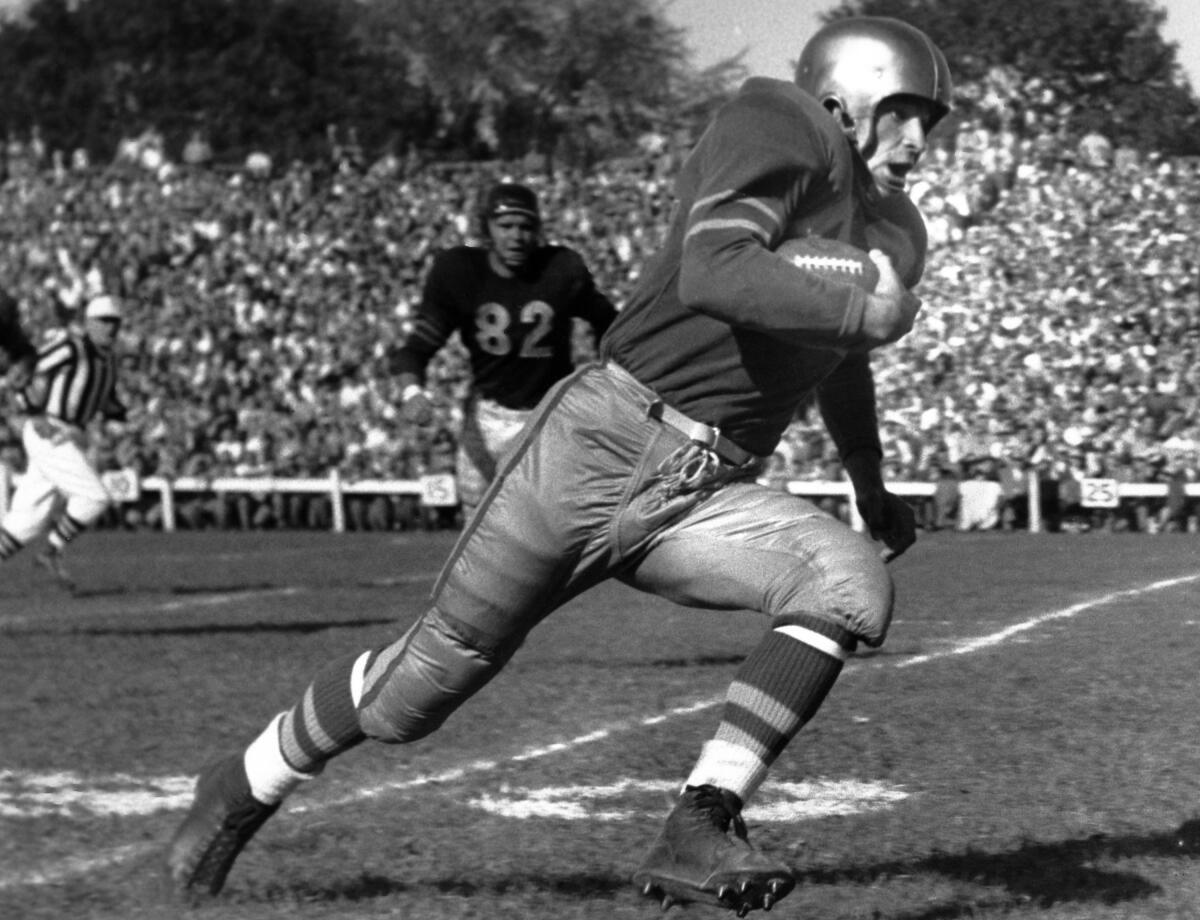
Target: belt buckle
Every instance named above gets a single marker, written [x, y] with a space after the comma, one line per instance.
[705, 435]
[708, 435]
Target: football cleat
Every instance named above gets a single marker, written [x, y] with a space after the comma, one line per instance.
[223, 818]
[51, 560]
[1187, 837]
[697, 859]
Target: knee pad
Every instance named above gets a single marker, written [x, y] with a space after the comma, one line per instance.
[862, 593]
[414, 686]
[845, 583]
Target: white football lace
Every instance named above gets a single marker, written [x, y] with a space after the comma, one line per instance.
[828, 263]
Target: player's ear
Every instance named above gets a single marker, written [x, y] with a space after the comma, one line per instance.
[835, 108]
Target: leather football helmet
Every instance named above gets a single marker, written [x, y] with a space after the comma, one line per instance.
[858, 62]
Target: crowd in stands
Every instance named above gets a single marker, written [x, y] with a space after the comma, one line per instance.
[1060, 332]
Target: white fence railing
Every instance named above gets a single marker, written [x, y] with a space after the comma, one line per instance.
[438, 490]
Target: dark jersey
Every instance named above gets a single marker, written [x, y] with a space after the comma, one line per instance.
[734, 335]
[13, 342]
[518, 331]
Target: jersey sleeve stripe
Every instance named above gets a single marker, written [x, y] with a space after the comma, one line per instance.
[758, 231]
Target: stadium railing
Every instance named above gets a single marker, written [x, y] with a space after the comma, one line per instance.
[438, 490]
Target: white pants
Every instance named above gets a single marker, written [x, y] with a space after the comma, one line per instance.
[489, 430]
[57, 470]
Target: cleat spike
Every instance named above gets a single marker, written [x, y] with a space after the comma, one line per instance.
[767, 902]
[667, 903]
[702, 855]
[648, 889]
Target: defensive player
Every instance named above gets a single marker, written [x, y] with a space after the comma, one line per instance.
[18, 350]
[74, 380]
[642, 468]
[512, 304]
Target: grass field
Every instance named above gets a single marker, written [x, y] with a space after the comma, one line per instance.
[1026, 745]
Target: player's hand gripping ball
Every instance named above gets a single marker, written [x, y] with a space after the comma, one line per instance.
[833, 260]
[891, 308]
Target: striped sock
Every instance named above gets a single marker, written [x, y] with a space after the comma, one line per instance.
[777, 689]
[325, 721]
[65, 530]
[8, 545]
[271, 778]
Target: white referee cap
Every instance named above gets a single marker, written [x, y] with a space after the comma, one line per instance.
[102, 307]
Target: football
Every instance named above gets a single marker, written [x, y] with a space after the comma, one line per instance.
[832, 259]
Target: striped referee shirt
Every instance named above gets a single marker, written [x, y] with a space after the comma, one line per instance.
[73, 381]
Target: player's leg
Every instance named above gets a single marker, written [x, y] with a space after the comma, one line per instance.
[67, 467]
[488, 431]
[87, 498]
[394, 694]
[33, 501]
[28, 514]
[824, 588]
[525, 552]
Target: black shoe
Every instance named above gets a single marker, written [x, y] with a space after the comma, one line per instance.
[1187, 837]
[51, 560]
[223, 818]
[695, 858]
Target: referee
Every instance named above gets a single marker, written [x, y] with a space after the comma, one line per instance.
[74, 380]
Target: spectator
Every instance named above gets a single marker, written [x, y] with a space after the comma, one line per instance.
[1036, 320]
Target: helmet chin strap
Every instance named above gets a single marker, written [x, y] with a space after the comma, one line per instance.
[851, 125]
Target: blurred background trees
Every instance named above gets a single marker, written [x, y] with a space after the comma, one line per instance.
[579, 78]
[1068, 66]
[573, 80]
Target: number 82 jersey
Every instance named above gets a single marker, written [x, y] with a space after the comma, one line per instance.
[517, 330]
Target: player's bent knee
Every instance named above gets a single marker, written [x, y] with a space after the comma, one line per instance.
[866, 598]
[439, 669]
[855, 589]
[871, 622]
[87, 509]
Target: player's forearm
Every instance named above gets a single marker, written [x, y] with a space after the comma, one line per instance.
[750, 287]
[847, 402]
[408, 362]
[865, 469]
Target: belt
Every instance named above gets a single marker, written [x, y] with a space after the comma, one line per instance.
[708, 435]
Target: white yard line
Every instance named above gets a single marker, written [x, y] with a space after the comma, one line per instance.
[64, 869]
[982, 642]
[182, 605]
[71, 867]
[196, 601]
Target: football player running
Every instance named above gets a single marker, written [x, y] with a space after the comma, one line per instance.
[642, 467]
[512, 303]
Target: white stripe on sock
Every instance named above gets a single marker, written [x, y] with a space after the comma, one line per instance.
[814, 639]
[358, 677]
[729, 766]
[271, 777]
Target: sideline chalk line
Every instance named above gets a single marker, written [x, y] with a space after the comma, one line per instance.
[74, 867]
[194, 601]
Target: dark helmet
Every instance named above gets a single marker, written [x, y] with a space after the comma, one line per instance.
[859, 62]
[509, 198]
